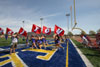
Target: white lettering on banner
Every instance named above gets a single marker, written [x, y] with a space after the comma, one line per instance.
[36, 29]
[59, 31]
[47, 30]
[22, 32]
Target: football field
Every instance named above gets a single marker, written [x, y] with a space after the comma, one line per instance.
[49, 57]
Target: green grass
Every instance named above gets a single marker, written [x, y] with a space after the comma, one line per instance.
[4, 42]
[92, 54]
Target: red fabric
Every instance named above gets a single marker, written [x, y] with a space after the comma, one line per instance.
[98, 37]
[1, 31]
[58, 30]
[22, 32]
[9, 31]
[46, 30]
[36, 29]
[81, 36]
[88, 38]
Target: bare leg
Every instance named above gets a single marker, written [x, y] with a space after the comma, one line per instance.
[27, 44]
[44, 45]
[10, 51]
[47, 44]
[58, 45]
[13, 50]
[34, 45]
[40, 46]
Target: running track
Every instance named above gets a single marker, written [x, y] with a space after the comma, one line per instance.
[27, 57]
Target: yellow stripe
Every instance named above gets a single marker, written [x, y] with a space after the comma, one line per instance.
[50, 45]
[47, 57]
[5, 62]
[67, 55]
[16, 60]
[4, 56]
[51, 41]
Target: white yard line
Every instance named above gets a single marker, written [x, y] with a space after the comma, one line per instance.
[84, 58]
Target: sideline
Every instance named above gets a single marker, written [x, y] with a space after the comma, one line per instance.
[84, 58]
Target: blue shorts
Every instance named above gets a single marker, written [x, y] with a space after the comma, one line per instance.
[33, 40]
[27, 40]
[44, 40]
[39, 41]
[57, 41]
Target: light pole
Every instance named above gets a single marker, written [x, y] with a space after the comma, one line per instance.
[68, 21]
[41, 22]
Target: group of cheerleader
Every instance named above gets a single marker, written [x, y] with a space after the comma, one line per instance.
[37, 41]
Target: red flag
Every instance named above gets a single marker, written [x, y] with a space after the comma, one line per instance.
[46, 30]
[9, 31]
[59, 31]
[87, 37]
[1, 31]
[36, 29]
[22, 32]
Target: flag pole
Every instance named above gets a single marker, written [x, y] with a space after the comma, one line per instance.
[23, 28]
[41, 19]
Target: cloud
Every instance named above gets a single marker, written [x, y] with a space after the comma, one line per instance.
[88, 3]
[52, 15]
[12, 13]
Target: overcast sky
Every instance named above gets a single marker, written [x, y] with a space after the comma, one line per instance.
[13, 12]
